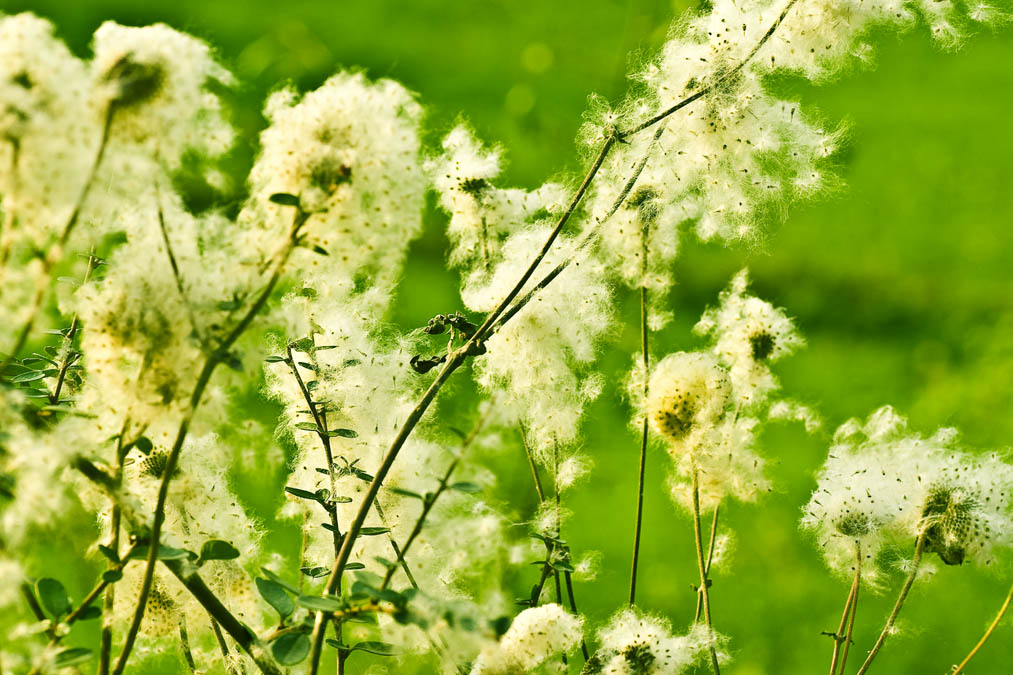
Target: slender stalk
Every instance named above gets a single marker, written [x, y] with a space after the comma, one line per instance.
[320, 419]
[888, 628]
[710, 558]
[453, 362]
[430, 500]
[573, 608]
[532, 465]
[838, 635]
[638, 522]
[325, 440]
[203, 379]
[988, 633]
[589, 237]
[70, 357]
[848, 641]
[184, 641]
[701, 564]
[106, 638]
[222, 646]
[243, 636]
[176, 275]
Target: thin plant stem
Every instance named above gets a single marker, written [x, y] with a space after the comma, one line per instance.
[639, 520]
[531, 464]
[184, 641]
[70, 357]
[892, 619]
[222, 645]
[430, 500]
[988, 633]
[573, 608]
[453, 362]
[710, 558]
[701, 564]
[848, 639]
[203, 379]
[325, 440]
[839, 636]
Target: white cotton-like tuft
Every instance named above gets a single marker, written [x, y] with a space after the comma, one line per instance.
[634, 643]
[536, 635]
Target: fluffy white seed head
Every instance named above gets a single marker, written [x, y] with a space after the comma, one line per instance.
[749, 333]
[687, 393]
[883, 486]
[634, 643]
[350, 152]
[536, 635]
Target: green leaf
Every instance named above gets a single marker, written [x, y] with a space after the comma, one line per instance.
[406, 493]
[217, 549]
[373, 531]
[109, 553]
[164, 553]
[303, 345]
[337, 645]
[275, 359]
[53, 596]
[343, 433]
[308, 426]
[321, 604]
[92, 612]
[315, 572]
[278, 580]
[304, 494]
[71, 657]
[284, 198]
[276, 596]
[291, 648]
[379, 648]
[320, 250]
[112, 576]
[561, 565]
[465, 486]
[30, 376]
[354, 566]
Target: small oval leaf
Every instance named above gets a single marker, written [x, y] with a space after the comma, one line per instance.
[291, 648]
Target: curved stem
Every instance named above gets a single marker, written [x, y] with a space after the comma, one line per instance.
[701, 565]
[988, 633]
[905, 589]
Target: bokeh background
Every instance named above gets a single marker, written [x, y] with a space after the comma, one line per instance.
[902, 282]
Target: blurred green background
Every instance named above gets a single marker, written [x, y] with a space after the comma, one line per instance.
[901, 283]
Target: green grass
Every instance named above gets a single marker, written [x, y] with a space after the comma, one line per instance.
[901, 283]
